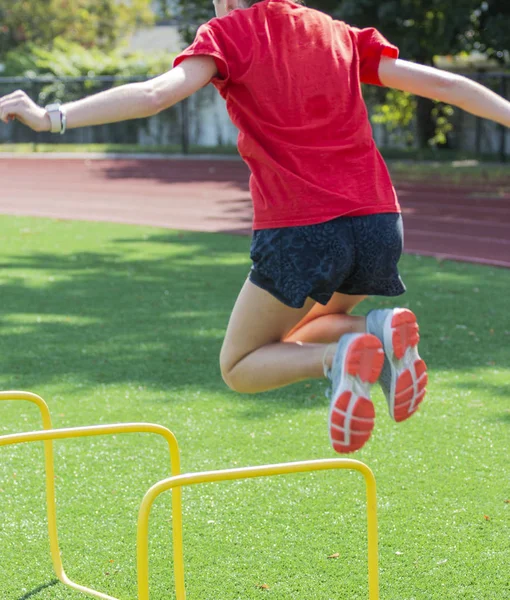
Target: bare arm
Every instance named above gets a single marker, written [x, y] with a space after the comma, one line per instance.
[446, 87]
[131, 101]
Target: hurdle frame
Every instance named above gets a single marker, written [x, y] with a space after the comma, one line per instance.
[174, 483]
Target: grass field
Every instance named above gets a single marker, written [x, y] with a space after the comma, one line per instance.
[117, 323]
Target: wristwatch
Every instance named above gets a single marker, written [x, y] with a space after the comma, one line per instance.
[58, 118]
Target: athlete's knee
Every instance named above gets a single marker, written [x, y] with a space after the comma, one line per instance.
[226, 371]
[227, 364]
[234, 377]
[235, 382]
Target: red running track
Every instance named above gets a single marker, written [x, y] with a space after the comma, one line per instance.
[457, 222]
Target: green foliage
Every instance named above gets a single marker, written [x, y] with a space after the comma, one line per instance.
[492, 29]
[99, 23]
[396, 113]
[442, 115]
[165, 9]
[426, 29]
[423, 30]
[194, 13]
[69, 59]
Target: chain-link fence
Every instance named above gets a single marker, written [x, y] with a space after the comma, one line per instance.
[487, 137]
[201, 121]
[198, 121]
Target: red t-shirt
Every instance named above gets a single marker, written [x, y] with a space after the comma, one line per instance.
[291, 77]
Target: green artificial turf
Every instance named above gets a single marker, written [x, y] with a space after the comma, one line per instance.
[114, 323]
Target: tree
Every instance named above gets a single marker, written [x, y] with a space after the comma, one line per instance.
[99, 23]
[423, 30]
[493, 29]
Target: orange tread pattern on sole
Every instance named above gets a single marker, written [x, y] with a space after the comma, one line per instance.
[363, 415]
[406, 393]
[409, 390]
[405, 332]
[365, 359]
[361, 425]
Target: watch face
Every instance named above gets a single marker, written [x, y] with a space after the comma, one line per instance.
[52, 107]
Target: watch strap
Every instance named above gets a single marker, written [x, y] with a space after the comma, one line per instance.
[55, 115]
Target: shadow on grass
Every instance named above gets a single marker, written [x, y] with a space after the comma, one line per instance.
[501, 391]
[150, 316]
[39, 589]
[504, 418]
[110, 317]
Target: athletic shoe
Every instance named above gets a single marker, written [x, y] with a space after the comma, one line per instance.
[356, 367]
[404, 375]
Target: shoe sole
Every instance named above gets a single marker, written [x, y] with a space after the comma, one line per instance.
[408, 371]
[352, 414]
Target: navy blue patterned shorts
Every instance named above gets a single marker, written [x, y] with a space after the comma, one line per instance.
[350, 255]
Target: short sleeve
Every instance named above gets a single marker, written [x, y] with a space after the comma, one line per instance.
[372, 45]
[207, 43]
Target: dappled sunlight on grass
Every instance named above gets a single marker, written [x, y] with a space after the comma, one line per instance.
[113, 323]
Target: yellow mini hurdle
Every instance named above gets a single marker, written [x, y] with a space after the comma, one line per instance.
[175, 484]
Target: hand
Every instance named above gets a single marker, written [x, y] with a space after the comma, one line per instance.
[19, 106]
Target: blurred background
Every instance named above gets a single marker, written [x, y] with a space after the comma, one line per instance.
[65, 49]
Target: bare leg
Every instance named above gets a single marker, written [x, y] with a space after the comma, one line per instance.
[254, 358]
[327, 324]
